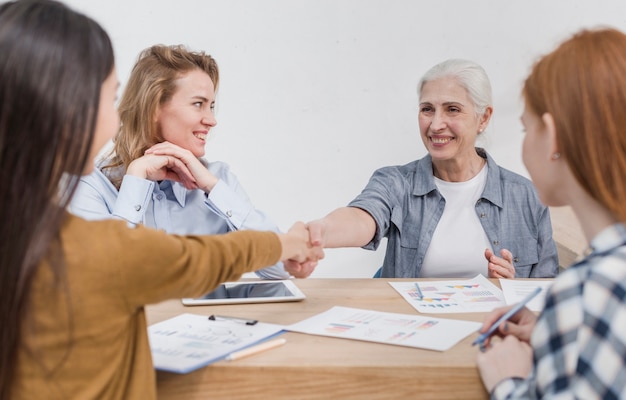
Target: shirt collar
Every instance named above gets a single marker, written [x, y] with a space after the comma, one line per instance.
[609, 238]
[179, 191]
[425, 180]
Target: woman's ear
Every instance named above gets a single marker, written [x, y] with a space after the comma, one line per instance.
[484, 119]
[550, 130]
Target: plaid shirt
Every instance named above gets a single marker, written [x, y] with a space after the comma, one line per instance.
[579, 342]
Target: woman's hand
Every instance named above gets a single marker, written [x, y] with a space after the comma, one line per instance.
[202, 177]
[520, 325]
[297, 247]
[508, 358]
[162, 167]
[500, 267]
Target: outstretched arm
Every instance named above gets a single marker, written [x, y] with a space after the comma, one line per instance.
[344, 227]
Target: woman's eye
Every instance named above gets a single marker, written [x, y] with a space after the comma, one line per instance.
[425, 109]
[197, 104]
[212, 106]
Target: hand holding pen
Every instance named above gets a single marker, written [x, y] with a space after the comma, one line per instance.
[516, 320]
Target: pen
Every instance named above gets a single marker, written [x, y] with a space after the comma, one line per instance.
[419, 291]
[256, 349]
[481, 339]
[240, 320]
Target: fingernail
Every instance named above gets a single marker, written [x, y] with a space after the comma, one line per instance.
[505, 327]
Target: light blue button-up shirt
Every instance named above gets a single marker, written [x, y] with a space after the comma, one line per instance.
[406, 205]
[169, 206]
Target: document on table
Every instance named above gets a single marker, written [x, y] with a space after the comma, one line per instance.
[515, 290]
[390, 328]
[188, 341]
[451, 296]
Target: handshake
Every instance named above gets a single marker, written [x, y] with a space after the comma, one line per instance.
[302, 249]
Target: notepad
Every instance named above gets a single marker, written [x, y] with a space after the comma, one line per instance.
[188, 341]
[515, 290]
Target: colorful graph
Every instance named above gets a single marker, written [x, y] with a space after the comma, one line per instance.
[338, 329]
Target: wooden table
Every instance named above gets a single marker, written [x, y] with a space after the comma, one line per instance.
[568, 235]
[317, 367]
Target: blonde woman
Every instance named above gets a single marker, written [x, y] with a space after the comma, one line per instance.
[167, 113]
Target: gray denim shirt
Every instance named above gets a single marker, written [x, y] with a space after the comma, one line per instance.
[406, 205]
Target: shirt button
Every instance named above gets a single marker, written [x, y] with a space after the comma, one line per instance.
[137, 207]
[159, 197]
[229, 213]
[496, 242]
[483, 215]
[516, 259]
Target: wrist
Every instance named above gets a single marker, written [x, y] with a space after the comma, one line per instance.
[134, 170]
[209, 186]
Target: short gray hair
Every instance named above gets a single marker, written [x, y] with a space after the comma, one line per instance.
[469, 75]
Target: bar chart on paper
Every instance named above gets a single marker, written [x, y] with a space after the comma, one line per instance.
[390, 328]
[453, 296]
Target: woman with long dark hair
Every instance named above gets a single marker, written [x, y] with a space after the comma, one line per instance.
[72, 292]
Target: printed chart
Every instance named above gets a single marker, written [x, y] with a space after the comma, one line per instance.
[451, 296]
[390, 328]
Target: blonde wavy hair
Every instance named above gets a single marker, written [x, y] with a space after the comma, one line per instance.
[152, 83]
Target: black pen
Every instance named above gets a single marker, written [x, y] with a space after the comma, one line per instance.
[234, 319]
[481, 339]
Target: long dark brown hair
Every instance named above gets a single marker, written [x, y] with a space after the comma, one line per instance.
[53, 63]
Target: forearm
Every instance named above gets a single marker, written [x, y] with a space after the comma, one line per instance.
[348, 227]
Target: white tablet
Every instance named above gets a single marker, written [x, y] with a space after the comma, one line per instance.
[249, 292]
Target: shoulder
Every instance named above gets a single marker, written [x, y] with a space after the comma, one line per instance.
[406, 171]
[220, 169]
[511, 182]
[216, 166]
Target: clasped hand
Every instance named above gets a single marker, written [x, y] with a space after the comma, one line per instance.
[314, 232]
[167, 161]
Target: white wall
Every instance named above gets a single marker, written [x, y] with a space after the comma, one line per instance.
[317, 94]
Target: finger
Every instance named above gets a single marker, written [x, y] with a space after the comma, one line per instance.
[488, 254]
[315, 233]
[493, 316]
[181, 169]
[507, 255]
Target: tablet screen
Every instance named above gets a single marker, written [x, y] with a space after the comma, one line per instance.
[249, 292]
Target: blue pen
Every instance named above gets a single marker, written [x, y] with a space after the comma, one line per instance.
[419, 291]
[481, 339]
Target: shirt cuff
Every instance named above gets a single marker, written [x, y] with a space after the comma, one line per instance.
[133, 198]
[228, 204]
[505, 388]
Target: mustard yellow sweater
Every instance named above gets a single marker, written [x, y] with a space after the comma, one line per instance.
[88, 339]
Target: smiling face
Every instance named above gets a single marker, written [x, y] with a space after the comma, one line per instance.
[448, 121]
[185, 120]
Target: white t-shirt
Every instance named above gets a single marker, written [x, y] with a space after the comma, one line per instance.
[459, 241]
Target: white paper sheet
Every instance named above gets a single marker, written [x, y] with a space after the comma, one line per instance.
[188, 341]
[452, 296]
[515, 290]
[390, 328]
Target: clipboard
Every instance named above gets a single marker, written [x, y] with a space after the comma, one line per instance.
[188, 341]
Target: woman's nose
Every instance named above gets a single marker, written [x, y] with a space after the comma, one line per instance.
[437, 123]
[209, 119]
